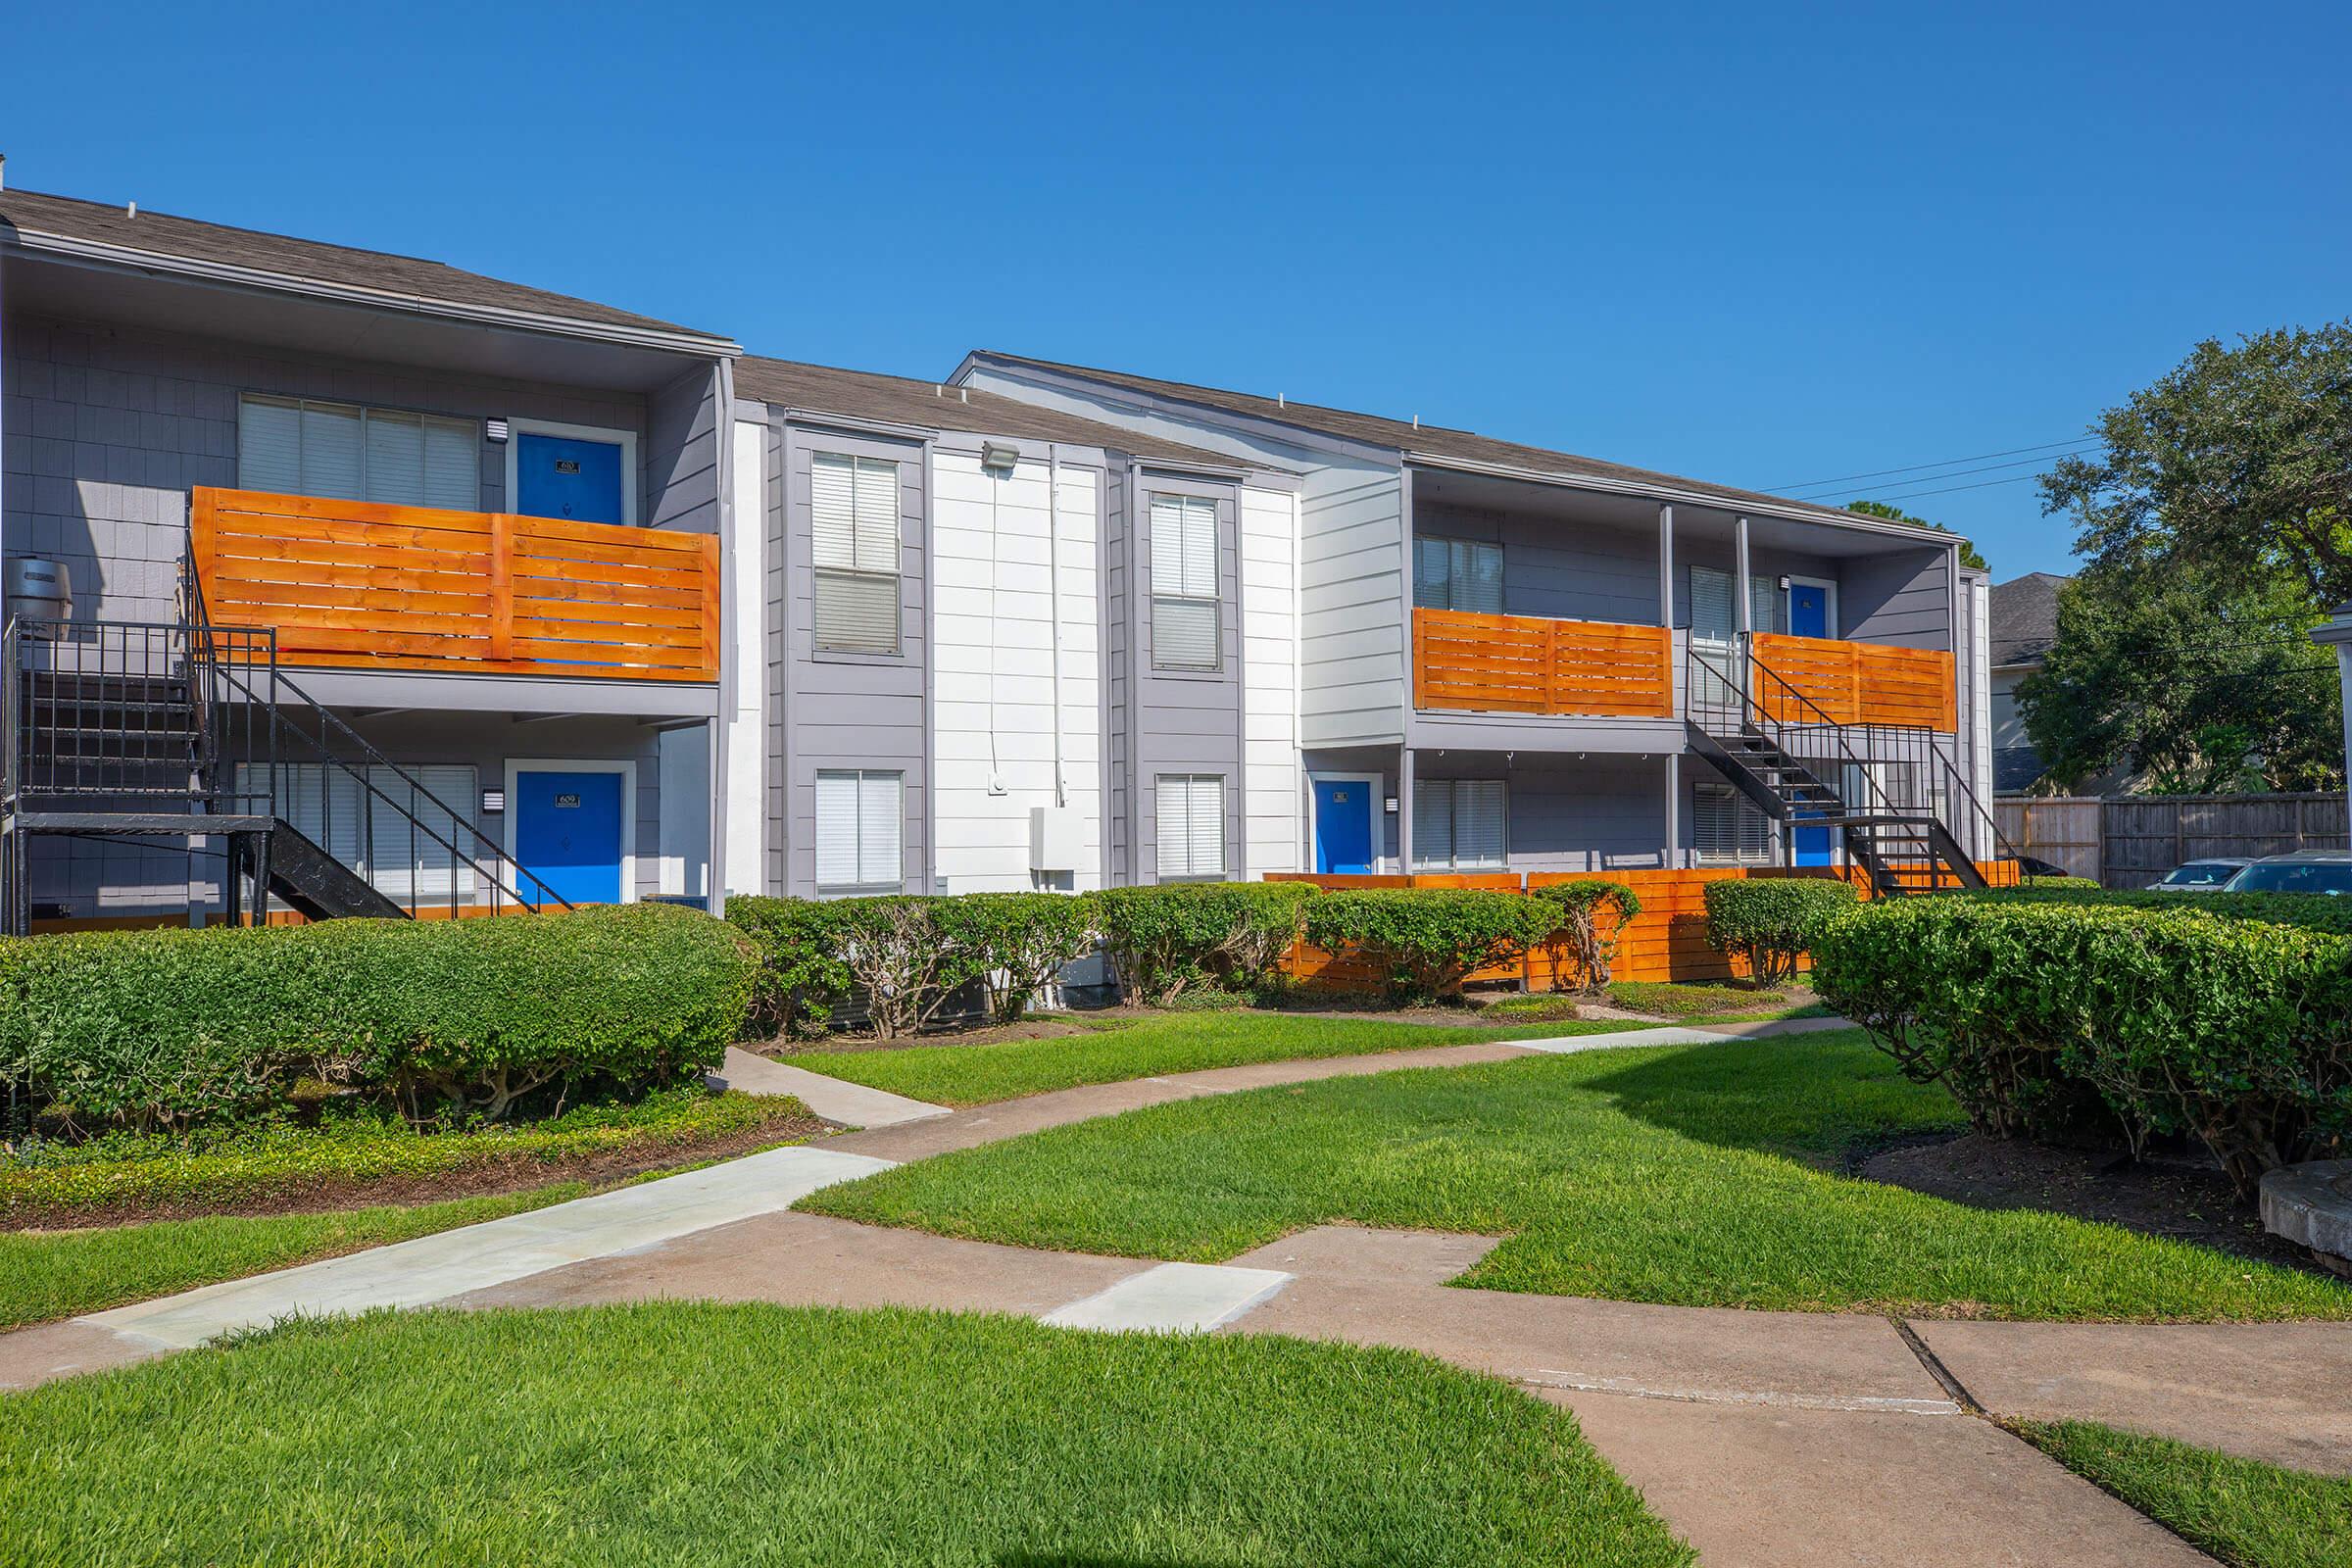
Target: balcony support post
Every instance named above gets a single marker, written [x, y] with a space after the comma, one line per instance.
[1666, 599]
[1673, 857]
[1404, 810]
[1744, 602]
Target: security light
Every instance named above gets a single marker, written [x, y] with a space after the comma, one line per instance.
[998, 457]
[1783, 582]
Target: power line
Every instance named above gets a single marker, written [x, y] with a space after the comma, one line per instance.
[1914, 495]
[1914, 467]
[1992, 467]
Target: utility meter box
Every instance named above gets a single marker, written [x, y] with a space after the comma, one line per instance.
[1056, 838]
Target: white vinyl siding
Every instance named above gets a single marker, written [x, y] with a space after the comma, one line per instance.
[345, 453]
[1728, 828]
[853, 530]
[1184, 614]
[410, 862]
[860, 830]
[1458, 824]
[1457, 575]
[1191, 827]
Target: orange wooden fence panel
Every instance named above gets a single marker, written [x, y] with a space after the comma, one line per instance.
[1857, 683]
[357, 584]
[1529, 664]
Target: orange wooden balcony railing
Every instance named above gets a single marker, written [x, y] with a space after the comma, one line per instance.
[355, 585]
[1856, 683]
[1528, 664]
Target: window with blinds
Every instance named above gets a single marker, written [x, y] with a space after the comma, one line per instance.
[289, 447]
[860, 830]
[410, 863]
[853, 532]
[1185, 618]
[1714, 594]
[1192, 827]
[1726, 826]
[1457, 575]
[1459, 825]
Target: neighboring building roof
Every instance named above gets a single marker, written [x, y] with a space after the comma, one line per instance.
[933, 406]
[1436, 441]
[409, 278]
[2025, 617]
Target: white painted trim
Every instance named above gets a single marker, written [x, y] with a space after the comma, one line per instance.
[745, 718]
[1380, 817]
[1828, 586]
[519, 765]
[631, 479]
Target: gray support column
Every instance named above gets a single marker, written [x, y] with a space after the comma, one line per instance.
[1404, 810]
[2337, 633]
[1741, 610]
[1674, 810]
[1665, 566]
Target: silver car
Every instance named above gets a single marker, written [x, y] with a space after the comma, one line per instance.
[2326, 871]
[2206, 875]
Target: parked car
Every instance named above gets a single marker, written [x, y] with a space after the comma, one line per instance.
[2328, 871]
[2200, 876]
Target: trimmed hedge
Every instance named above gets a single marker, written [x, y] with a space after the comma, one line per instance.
[1231, 934]
[802, 976]
[2228, 1029]
[1427, 941]
[161, 1030]
[1592, 915]
[1022, 941]
[2313, 911]
[1772, 921]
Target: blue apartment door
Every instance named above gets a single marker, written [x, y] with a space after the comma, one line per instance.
[1343, 825]
[568, 834]
[1808, 610]
[567, 477]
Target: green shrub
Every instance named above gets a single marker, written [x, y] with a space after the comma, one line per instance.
[1427, 941]
[1771, 921]
[165, 1029]
[2228, 1029]
[909, 957]
[1023, 940]
[1165, 938]
[2067, 884]
[1593, 915]
[802, 976]
[2313, 911]
[1209, 997]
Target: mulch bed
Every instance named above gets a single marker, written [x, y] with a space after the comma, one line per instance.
[501, 1173]
[994, 1034]
[2179, 1199]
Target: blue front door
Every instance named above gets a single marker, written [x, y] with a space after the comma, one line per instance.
[564, 477]
[1808, 610]
[568, 834]
[1343, 826]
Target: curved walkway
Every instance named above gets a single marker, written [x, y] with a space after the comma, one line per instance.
[1763, 1437]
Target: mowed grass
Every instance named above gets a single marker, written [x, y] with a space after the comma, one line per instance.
[694, 1433]
[1692, 1175]
[1114, 1050]
[2247, 1513]
[46, 1275]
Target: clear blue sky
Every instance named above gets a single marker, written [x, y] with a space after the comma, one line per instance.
[1727, 240]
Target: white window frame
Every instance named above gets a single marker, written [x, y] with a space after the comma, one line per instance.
[1453, 863]
[517, 767]
[1376, 785]
[1829, 591]
[1449, 541]
[1216, 599]
[365, 412]
[1224, 870]
[1740, 803]
[631, 477]
[898, 574]
[858, 890]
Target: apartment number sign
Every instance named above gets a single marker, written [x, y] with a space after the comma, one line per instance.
[568, 801]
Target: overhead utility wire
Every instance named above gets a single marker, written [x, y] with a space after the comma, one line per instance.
[2036, 464]
[1914, 467]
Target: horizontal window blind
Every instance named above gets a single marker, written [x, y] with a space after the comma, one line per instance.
[854, 538]
[1457, 575]
[860, 829]
[1190, 810]
[1460, 824]
[289, 447]
[367, 831]
[1186, 620]
[1727, 826]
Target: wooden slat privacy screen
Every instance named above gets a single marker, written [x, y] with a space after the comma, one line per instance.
[1857, 683]
[1530, 665]
[357, 584]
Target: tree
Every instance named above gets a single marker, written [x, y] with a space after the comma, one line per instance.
[2201, 681]
[2237, 462]
[1894, 514]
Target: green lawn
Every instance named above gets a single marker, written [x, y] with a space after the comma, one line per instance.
[692, 1433]
[1114, 1050]
[2247, 1513]
[66, 1273]
[1687, 1175]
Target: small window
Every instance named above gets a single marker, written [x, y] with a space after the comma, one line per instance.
[1728, 827]
[1185, 618]
[379, 823]
[345, 453]
[861, 831]
[853, 530]
[1457, 575]
[1458, 824]
[1192, 827]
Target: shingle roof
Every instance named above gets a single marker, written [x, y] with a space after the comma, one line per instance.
[2025, 617]
[900, 400]
[189, 238]
[1401, 435]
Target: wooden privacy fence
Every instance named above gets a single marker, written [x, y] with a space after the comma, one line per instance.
[1529, 664]
[1857, 683]
[2130, 841]
[357, 584]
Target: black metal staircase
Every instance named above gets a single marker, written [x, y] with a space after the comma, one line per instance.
[182, 732]
[1891, 795]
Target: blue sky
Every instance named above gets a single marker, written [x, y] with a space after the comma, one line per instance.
[1758, 244]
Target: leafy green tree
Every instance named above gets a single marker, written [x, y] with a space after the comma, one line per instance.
[1894, 514]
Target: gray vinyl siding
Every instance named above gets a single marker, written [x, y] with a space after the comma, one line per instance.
[853, 711]
[1571, 815]
[1558, 569]
[681, 454]
[1182, 721]
[1903, 597]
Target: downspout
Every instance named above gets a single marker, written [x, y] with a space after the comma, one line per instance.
[1053, 599]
